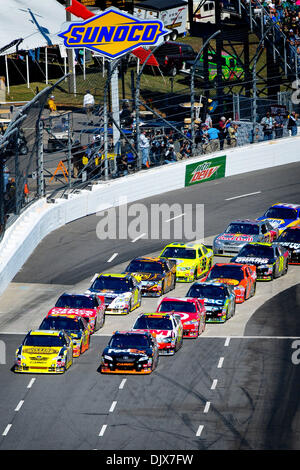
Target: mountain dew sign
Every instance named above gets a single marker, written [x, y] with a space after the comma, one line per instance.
[205, 171]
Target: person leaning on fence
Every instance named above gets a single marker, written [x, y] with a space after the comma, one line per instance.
[232, 131]
[292, 123]
[267, 123]
[213, 135]
[88, 105]
[205, 139]
[222, 131]
[278, 125]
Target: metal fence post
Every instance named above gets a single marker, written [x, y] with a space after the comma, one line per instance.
[40, 160]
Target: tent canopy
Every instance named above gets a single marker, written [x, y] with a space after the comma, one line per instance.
[37, 22]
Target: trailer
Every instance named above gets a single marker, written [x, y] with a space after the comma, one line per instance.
[173, 14]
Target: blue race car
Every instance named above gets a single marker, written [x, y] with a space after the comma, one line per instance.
[282, 215]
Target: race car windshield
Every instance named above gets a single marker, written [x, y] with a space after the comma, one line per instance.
[152, 323]
[112, 283]
[289, 236]
[177, 306]
[137, 266]
[44, 340]
[258, 251]
[247, 229]
[75, 301]
[129, 341]
[281, 213]
[202, 291]
[60, 323]
[179, 252]
[226, 272]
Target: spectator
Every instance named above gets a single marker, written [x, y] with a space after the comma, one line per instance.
[267, 124]
[222, 131]
[278, 125]
[213, 135]
[185, 149]
[170, 155]
[145, 148]
[232, 131]
[205, 139]
[52, 105]
[292, 123]
[122, 165]
[88, 105]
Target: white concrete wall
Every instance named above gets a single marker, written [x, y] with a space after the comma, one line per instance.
[41, 218]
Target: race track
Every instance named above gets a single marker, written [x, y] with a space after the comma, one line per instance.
[235, 387]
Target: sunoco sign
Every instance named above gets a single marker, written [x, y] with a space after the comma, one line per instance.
[113, 33]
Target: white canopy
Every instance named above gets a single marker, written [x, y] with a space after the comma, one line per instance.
[37, 22]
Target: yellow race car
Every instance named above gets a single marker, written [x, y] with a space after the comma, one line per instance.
[44, 351]
[193, 259]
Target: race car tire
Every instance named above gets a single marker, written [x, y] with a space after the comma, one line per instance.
[162, 288]
[195, 275]
[286, 268]
[254, 288]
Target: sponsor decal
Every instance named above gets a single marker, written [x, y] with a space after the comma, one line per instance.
[205, 171]
[276, 222]
[290, 245]
[113, 33]
[37, 350]
[236, 238]
[214, 301]
[244, 259]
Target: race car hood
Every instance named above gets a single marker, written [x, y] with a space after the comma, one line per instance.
[187, 316]
[161, 334]
[110, 295]
[131, 353]
[40, 355]
[184, 263]
[81, 312]
[148, 276]
[256, 261]
[119, 299]
[230, 282]
[213, 304]
[236, 238]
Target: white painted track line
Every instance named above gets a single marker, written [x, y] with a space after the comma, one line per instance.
[242, 195]
[6, 430]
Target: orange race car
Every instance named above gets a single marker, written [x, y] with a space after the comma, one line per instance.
[241, 276]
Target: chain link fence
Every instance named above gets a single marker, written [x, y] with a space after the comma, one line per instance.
[51, 153]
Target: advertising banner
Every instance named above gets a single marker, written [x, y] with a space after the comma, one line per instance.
[207, 170]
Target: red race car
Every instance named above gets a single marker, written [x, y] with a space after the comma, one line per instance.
[241, 276]
[89, 306]
[191, 311]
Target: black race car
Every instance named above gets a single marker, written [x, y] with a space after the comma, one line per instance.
[290, 239]
[130, 352]
[270, 259]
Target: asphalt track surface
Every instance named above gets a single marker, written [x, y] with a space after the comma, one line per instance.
[217, 393]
